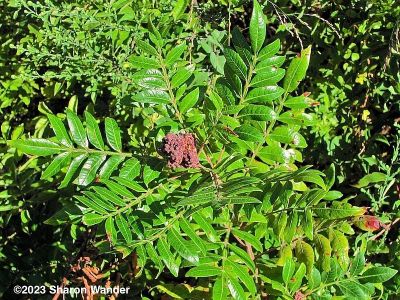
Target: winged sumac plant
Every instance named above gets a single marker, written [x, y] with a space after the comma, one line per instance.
[245, 220]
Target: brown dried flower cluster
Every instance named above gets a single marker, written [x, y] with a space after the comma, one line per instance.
[180, 150]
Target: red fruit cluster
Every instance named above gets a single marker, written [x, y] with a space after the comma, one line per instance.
[180, 150]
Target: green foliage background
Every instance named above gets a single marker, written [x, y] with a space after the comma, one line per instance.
[82, 56]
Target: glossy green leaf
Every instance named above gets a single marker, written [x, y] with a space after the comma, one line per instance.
[175, 54]
[149, 175]
[180, 245]
[220, 289]
[113, 134]
[130, 184]
[92, 219]
[72, 169]
[93, 131]
[78, 132]
[59, 130]
[288, 270]
[146, 47]
[258, 28]
[130, 169]
[123, 227]
[288, 135]
[118, 188]
[297, 279]
[236, 63]
[41, 147]
[241, 273]
[268, 77]
[269, 50]
[357, 264]
[265, 94]
[181, 76]
[108, 195]
[204, 271]
[235, 288]
[268, 63]
[110, 166]
[151, 96]
[241, 45]
[248, 237]
[144, 62]
[56, 165]
[194, 238]
[205, 225]
[353, 290]
[167, 256]
[368, 179]
[297, 70]
[91, 204]
[377, 274]
[244, 257]
[110, 229]
[89, 170]
[249, 133]
[258, 112]
[188, 101]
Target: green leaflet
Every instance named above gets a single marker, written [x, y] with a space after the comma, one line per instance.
[110, 166]
[240, 272]
[174, 54]
[235, 288]
[305, 254]
[144, 62]
[198, 198]
[206, 226]
[167, 256]
[248, 237]
[241, 45]
[267, 77]
[181, 76]
[197, 241]
[288, 270]
[59, 130]
[258, 112]
[152, 96]
[257, 27]
[188, 101]
[118, 189]
[249, 133]
[377, 274]
[113, 134]
[204, 271]
[110, 229]
[130, 169]
[72, 169]
[55, 166]
[147, 47]
[236, 63]
[108, 195]
[41, 147]
[267, 63]
[269, 50]
[93, 131]
[78, 132]
[123, 227]
[89, 170]
[220, 290]
[297, 70]
[182, 246]
[92, 219]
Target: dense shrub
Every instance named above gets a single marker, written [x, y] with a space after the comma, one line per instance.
[147, 144]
